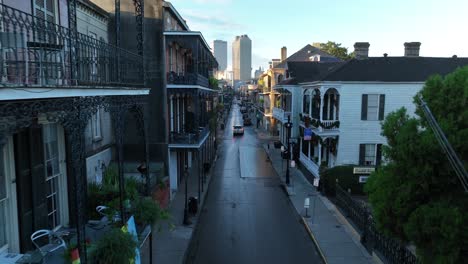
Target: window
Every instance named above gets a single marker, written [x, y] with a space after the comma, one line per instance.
[370, 154]
[96, 126]
[51, 156]
[372, 107]
[94, 55]
[306, 102]
[44, 10]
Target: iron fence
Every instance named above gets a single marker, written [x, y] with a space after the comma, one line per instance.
[187, 78]
[38, 52]
[390, 249]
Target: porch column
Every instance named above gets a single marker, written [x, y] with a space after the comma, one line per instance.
[118, 119]
[171, 113]
[178, 114]
[197, 157]
[321, 106]
[74, 128]
[319, 153]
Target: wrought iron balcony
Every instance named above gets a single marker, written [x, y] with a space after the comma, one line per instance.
[185, 138]
[187, 78]
[281, 114]
[36, 52]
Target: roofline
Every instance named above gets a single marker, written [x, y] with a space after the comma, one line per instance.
[95, 8]
[355, 82]
[188, 33]
[176, 13]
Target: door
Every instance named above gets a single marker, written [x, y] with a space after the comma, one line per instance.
[31, 188]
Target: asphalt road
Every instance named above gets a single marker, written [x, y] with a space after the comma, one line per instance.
[247, 217]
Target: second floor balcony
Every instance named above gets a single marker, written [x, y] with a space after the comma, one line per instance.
[185, 139]
[281, 114]
[187, 79]
[39, 53]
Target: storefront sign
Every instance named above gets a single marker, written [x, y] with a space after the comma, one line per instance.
[363, 170]
[307, 134]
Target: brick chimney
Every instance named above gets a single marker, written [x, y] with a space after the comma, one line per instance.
[284, 53]
[412, 49]
[361, 50]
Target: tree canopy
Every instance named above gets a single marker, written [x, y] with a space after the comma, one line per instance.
[415, 195]
[336, 50]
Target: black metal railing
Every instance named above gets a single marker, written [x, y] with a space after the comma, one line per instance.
[36, 52]
[390, 249]
[187, 78]
[187, 138]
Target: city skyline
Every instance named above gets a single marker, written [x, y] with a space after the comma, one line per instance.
[340, 21]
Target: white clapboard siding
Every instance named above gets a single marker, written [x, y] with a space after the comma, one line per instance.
[353, 130]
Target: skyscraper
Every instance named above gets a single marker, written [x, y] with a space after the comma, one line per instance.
[220, 53]
[242, 58]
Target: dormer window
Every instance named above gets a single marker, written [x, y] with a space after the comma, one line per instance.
[315, 57]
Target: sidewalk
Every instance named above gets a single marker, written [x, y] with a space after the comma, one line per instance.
[171, 239]
[336, 239]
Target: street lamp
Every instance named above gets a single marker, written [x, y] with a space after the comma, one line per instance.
[288, 126]
[186, 216]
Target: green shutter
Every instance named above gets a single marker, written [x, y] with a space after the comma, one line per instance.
[364, 107]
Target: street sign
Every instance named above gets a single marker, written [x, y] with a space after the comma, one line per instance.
[363, 179]
[363, 170]
[316, 182]
[307, 134]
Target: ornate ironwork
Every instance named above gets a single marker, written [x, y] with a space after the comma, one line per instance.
[36, 52]
[391, 249]
[139, 14]
[72, 25]
[73, 113]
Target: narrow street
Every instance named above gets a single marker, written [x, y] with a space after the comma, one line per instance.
[247, 217]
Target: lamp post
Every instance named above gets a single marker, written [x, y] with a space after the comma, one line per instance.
[288, 126]
[186, 216]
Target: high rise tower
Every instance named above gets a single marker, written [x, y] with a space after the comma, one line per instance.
[242, 58]
[220, 53]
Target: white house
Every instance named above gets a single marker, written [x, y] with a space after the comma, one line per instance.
[343, 104]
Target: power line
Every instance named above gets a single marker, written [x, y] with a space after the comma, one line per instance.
[451, 155]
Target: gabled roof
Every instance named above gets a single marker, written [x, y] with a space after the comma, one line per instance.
[395, 69]
[309, 71]
[305, 53]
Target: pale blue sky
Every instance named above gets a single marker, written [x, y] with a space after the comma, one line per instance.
[441, 26]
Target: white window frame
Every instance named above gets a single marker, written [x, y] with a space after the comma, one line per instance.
[62, 180]
[12, 232]
[94, 69]
[374, 162]
[376, 118]
[96, 129]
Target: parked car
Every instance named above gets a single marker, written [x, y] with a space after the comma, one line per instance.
[247, 122]
[243, 109]
[238, 130]
[244, 116]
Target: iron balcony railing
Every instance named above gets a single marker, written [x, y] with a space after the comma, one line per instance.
[36, 52]
[187, 78]
[186, 138]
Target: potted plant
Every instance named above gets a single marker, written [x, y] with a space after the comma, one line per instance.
[114, 247]
[146, 211]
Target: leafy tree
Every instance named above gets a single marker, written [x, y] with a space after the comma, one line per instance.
[336, 50]
[416, 195]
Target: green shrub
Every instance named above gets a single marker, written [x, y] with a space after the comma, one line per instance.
[147, 211]
[346, 179]
[114, 247]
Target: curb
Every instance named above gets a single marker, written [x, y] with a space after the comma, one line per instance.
[315, 240]
[195, 231]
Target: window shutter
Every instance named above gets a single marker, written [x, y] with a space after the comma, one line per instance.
[364, 107]
[378, 156]
[381, 107]
[362, 152]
